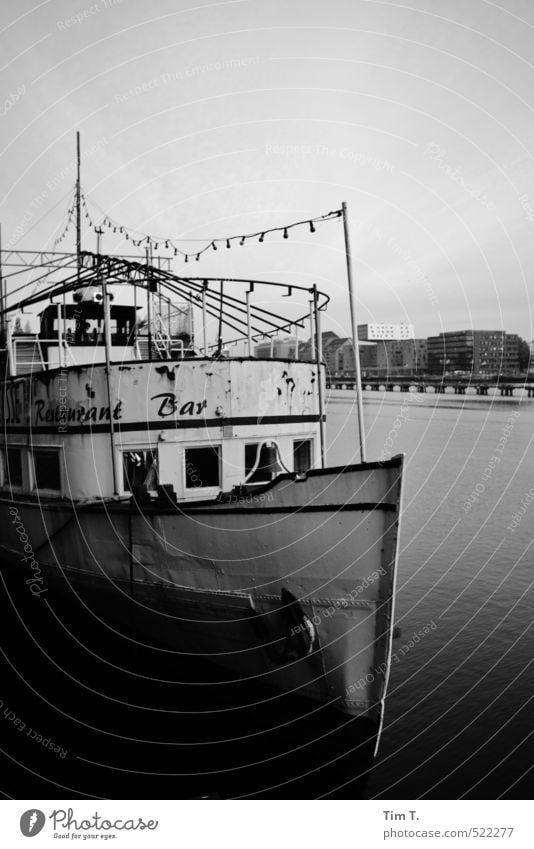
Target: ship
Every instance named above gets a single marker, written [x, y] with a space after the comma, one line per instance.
[159, 476]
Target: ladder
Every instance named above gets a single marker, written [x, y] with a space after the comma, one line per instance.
[160, 337]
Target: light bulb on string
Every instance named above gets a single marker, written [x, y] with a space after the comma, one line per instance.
[214, 246]
[197, 257]
[187, 257]
[312, 228]
[242, 242]
[228, 243]
[286, 235]
[262, 237]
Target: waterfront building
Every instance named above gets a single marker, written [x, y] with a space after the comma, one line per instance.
[379, 330]
[474, 351]
[395, 356]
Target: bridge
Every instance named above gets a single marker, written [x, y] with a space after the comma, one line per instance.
[505, 384]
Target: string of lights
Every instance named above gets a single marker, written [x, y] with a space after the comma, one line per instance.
[154, 243]
[71, 213]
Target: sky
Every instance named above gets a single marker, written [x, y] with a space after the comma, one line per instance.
[203, 120]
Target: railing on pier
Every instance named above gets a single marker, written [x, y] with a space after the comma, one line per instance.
[504, 384]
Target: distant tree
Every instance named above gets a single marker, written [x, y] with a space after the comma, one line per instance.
[523, 355]
[18, 325]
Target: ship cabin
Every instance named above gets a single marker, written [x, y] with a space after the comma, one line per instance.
[113, 397]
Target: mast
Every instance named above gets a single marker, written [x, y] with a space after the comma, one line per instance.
[78, 204]
[354, 326]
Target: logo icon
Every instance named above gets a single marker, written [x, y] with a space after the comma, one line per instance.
[31, 822]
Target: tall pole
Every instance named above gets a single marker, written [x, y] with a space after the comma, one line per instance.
[3, 299]
[6, 340]
[354, 326]
[312, 335]
[149, 301]
[60, 335]
[107, 348]
[204, 331]
[78, 205]
[319, 360]
[249, 331]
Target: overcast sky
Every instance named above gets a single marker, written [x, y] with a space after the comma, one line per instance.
[211, 119]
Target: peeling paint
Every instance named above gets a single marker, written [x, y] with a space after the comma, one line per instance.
[165, 370]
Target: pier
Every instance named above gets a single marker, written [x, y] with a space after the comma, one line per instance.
[439, 385]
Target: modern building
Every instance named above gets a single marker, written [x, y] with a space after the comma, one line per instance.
[375, 332]
[334, 349]
[474, 351]
[394, 356]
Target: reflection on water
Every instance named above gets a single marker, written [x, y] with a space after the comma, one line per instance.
[458, 713]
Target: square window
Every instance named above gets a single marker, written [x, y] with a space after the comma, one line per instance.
[12, 466]
[302, 455]
[268, 465]
[140, 468]
[203, 466]
[46, 468]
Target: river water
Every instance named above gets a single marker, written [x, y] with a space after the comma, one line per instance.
[130, 720]
[459, 717]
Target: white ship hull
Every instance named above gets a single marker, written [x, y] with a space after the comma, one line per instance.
[291, 587]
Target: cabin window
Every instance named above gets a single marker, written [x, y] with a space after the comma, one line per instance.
[268, 465]
[302, 455]
[46, 469]
[203, 466]
[12, 467]
[140, 468]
